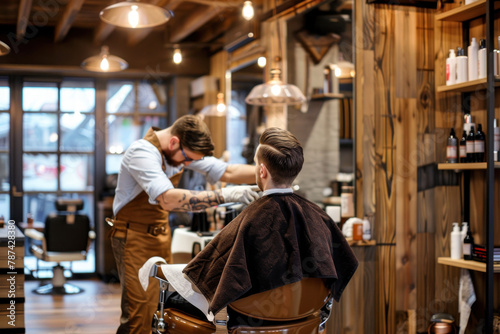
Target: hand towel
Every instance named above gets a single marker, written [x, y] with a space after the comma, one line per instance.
[145, 271]
[466, 297]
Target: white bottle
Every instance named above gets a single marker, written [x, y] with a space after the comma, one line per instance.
[462, 66]
[456, 243]
[481, 59]
[472, 54]
[367, 231]
[451, 73]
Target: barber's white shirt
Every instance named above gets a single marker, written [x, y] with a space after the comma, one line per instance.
[141, 169]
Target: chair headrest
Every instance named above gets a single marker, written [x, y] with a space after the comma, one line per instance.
[69, 204]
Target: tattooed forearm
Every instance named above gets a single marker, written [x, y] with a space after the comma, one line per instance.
[192, 200]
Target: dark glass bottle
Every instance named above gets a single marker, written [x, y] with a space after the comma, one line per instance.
[471, 157]
[479, 138]
[452, 147]
[468, 245]
[463, 148]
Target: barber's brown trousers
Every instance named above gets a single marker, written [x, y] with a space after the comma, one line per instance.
[132, 249]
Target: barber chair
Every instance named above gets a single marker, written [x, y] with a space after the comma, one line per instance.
[66, 237]
[298, 308]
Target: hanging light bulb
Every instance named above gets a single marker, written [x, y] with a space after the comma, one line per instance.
[247, 12]
[177, 56]
[220, 109]
[104, 62]
[261, 62]
[275, 92]
[134, 14]
[221, 106]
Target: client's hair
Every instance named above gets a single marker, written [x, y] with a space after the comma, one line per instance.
[282, 154]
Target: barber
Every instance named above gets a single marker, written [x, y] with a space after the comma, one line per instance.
[145, 193]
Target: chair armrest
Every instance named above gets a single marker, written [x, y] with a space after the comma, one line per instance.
[92, 234]
[34, 234]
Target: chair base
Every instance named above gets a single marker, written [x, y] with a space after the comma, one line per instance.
[66, 289]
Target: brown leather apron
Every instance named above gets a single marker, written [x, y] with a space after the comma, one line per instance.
[146, 232]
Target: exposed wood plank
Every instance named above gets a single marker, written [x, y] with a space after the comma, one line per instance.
[385, 276]
[426, 263]
[405, 52]
[62, 28]
[23, 17]
[194, 22]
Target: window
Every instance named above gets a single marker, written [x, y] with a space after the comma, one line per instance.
[4, 147]
[132, 107]
[58, 148]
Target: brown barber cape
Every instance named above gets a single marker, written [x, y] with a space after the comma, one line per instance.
[277, 240]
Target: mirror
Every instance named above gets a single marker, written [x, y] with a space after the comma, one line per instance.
[320, 61]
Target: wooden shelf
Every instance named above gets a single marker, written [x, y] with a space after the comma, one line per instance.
[465, 166]
[465, 12]
[464, 87]
[362, 243]
[467, 264]
[329, 96]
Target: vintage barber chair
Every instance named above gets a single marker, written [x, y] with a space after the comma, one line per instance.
[66, 237]
[298, 308]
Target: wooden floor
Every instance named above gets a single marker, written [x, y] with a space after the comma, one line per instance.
[95, 311]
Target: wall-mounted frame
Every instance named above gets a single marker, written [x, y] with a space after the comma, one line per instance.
[415, 3]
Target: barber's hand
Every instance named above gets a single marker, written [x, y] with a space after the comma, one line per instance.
[242, 194]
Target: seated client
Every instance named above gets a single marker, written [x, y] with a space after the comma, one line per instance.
[277, 240]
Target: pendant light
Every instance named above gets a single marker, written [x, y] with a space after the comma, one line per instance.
[104, 62]
[177, 57]
[247, 12]
[219, 109]
[275, 91]
[4, 49]
[135, 14]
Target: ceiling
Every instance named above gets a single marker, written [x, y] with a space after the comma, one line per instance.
[39, 32]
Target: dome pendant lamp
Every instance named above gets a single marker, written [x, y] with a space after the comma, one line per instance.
[135, 14]
[104, 62]
[4, 49]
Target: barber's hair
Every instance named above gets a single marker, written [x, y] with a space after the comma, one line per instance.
[193, 134]
[282, 154]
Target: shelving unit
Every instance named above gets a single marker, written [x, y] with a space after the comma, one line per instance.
[464, 14]
[329, 96]
[465, 166]
[467, 264]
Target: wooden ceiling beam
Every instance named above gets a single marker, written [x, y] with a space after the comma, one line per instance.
[138, 36]
[23, 17]
[218, 3]
[193, 23]
[70, 12]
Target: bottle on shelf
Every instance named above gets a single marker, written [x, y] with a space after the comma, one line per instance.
[452, 148]
[463, 233]
[463, 148]
[481, 59]
[468, 245]
[462, 66]
[451, 72]
[479, 139]
[472, 52]
[471, 157]
[456, 243]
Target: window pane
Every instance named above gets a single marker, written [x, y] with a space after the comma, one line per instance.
[5, 206]
[39, 172]
[122, 131]
[4, 172]
[40, 132]
[78, 96]
[4, 130]
[4, 94]
[113, 162]
[40, 96]
[77, 172]
[121, 97]
[152, 97]
[77, 132]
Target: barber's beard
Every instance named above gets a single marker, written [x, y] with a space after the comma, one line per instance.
[168, 156]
